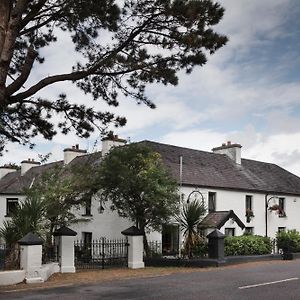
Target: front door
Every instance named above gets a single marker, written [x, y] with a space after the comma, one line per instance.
[170, 239]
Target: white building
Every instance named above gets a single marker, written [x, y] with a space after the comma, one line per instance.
[231, 188]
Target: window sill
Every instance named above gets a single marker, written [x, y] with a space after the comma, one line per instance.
[85, 215]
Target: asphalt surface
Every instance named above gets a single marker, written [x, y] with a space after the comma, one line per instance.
[272, 280]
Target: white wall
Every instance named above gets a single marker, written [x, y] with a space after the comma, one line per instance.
[108, 224]
[3, 206]
[235, 200]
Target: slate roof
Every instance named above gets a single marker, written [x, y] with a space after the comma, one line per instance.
[217, 219]
[14, 183]
[200, 169]
[207, 169]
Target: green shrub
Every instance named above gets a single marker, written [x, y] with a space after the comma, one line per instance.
[247, 245]
[288, 241]
[200, 249]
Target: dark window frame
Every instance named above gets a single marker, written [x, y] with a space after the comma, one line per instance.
[248, 202]
[9, 209]
[212, 202]
[249, 230]
[281, 229]
[281, 204]
[230, 229]
[88, 208]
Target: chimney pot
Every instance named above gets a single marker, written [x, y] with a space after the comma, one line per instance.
[229, 143]
[77, 146]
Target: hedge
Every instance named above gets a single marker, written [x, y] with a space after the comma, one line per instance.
[288, 241]
[247, 245]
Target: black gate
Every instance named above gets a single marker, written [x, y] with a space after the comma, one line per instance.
[50, 253]
[100, 254]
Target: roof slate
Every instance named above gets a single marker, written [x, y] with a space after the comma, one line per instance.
[13, 183]
[200, 169]
[217, 219]
[207, 169]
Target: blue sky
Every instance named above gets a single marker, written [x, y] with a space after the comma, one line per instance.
[248, 92]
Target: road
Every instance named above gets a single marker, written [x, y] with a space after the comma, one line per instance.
[272, 280]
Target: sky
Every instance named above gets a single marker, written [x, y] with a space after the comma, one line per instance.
[247, 93]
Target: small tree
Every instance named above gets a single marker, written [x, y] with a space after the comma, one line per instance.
[62, 190]
[189, 219]
[134, 179]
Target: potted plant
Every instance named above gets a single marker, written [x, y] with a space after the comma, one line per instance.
[274, 207]
[281, 213]
[249, 215]
[278, 209]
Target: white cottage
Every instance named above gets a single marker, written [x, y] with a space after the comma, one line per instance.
[241, 195]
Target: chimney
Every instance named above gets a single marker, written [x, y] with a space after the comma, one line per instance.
[71, 153]
[110, 142]
[233, 151]
[5, 170]
[28, 164]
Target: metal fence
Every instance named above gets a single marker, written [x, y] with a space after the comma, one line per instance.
[50, 253]
[155, 248]
[9, 257]
[101, 253]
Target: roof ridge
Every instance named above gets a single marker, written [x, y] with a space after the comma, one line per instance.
[179, 147]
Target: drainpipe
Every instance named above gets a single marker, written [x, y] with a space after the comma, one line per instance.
[266, 214]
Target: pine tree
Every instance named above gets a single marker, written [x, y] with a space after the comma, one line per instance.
[151, 41]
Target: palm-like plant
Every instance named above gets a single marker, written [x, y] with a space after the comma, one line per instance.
[27, 217]
[189, 218]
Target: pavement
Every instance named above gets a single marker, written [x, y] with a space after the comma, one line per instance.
[263, 280]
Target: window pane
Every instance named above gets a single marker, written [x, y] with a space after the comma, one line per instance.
[88, 206]
[281, 203]
[11, 205]
[248, 202]
[211, 202]
[229, 231]
[249, 230]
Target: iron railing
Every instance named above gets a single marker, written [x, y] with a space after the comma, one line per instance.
[155, 248]
[101, 253]
[50, 253]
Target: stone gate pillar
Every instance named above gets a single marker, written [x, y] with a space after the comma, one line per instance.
[31, 257]
[66, 249]
[136, 247]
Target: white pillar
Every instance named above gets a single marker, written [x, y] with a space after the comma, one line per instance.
[31, 257]
[135, 248]
[66, 249]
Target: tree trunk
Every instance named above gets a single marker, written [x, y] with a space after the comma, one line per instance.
[145, 242]
[5, 7]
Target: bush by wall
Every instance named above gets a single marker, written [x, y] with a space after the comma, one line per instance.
[200, 249]
[247, 245]
[288, 241]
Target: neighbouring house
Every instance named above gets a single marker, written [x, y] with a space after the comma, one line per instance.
[241, 195]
